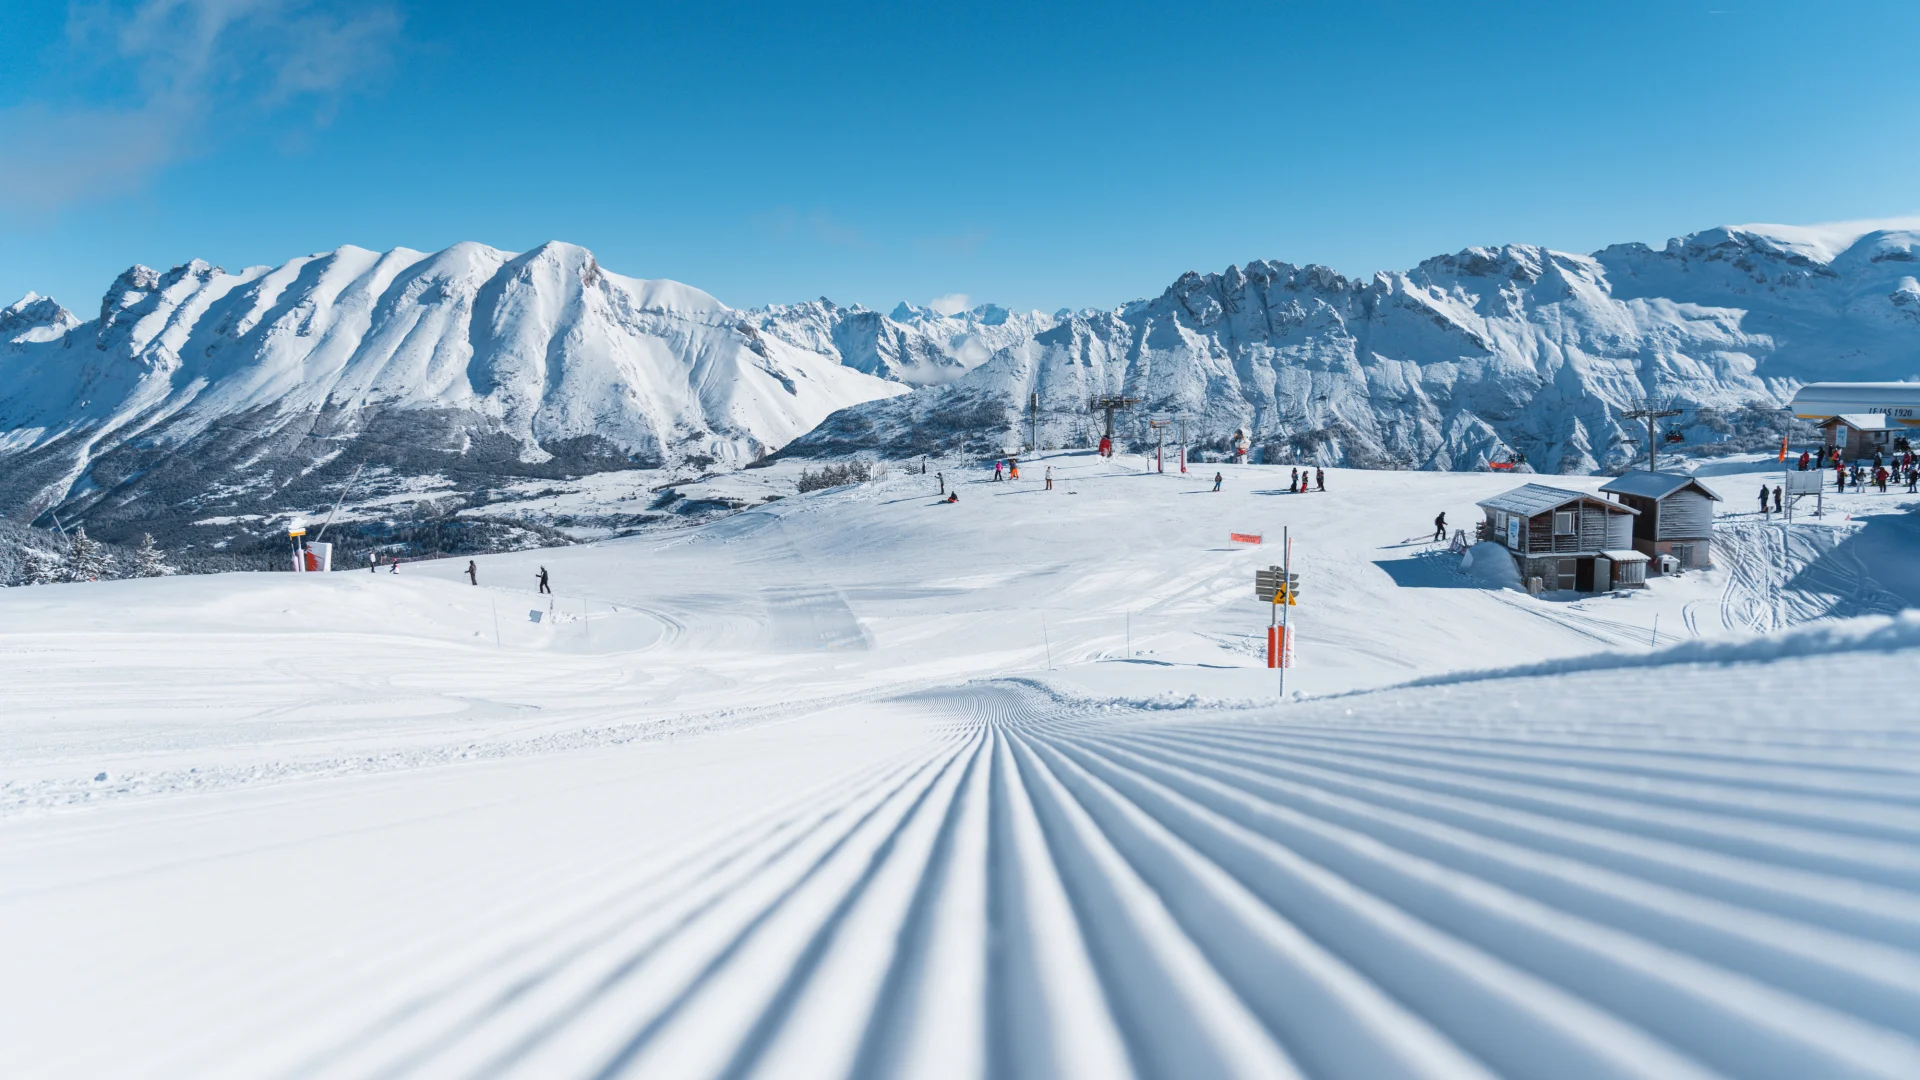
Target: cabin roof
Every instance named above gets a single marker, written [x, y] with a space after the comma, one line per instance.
[1540, 498]
[1623, 555]
[1656, 485]
[1865, 422]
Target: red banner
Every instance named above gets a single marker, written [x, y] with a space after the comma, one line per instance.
[1244, 538]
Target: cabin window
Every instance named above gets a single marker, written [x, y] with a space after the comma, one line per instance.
[1563, 523]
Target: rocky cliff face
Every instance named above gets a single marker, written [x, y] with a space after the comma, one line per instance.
[1464, 358]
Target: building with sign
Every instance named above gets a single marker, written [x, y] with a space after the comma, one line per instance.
[1674, 515]
[1859, 435]
[1570, 540]
[1898, 401]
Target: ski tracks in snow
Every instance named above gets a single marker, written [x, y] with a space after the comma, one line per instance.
[1053, 889]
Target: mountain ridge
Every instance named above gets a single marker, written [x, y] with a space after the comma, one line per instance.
[198, 393]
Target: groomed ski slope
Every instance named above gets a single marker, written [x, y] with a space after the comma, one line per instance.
[804, 797]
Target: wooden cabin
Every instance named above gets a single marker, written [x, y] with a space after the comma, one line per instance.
[1569, 539]
[1858, 435]
[1675, 515]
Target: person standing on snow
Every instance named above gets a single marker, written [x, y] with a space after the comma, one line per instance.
[1013, 468]
[1777, 504]
[473, 573]
[1217, 478]
[996, 472]
[543, 580]
[373, 562]
[1293, 485]
[942, 478]
[1320, 478]
[1765, 502]
[1880, 478]
[1049, 478]
[1440, 526]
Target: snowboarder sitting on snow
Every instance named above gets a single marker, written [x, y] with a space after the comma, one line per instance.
[953, 497]
[542, 575]
[1217, 478]
[1440, 526]
[396, 565]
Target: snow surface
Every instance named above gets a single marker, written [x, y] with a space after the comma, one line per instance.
[861, 783]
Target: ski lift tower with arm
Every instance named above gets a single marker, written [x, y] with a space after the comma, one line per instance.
[1651, 414]
[1110, 404]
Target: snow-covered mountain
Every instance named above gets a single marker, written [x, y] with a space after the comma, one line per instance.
[1464, 357]
[197, 394]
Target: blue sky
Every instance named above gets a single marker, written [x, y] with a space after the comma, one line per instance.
[1032, 155]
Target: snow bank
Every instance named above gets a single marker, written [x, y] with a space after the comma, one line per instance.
[1867, 634]
[1490, 566]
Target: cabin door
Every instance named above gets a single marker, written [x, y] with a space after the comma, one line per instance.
[1583, 577]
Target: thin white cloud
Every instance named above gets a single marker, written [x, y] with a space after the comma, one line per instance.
[951, 304]
[160, 78]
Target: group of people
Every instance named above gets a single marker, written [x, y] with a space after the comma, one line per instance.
[1904, 467]
[473, 571]
[1301, 479]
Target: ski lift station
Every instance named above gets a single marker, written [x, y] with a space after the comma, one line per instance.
[1899, 402]
[1674, 516]
[1570, 540]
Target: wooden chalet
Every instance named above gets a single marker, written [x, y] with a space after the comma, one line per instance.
[1858, 435]
[1569, 539]
[1675, 515]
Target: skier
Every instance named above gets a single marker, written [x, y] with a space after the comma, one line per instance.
[953, 496]
[1320, 478]
[1764, 501]
[1777, 506]
[1217, 478]
[543, 581]
[996, 472]
[942, 477]
[1440, 526]
[396, 565]
[1293, 486]
[473, 573]
[1013, 468]
[1049, 478]
[1913, 479]
[1880, 477]
[373, 562]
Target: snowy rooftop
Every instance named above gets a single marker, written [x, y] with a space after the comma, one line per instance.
[1867, 422]
[1656, 485]
[1540, 498]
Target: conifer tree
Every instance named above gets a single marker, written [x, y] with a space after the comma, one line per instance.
[149, 560]
[86, 559]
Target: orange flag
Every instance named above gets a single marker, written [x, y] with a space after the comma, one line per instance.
[1783, 448]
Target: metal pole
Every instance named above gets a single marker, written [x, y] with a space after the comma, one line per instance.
[1286, 579]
